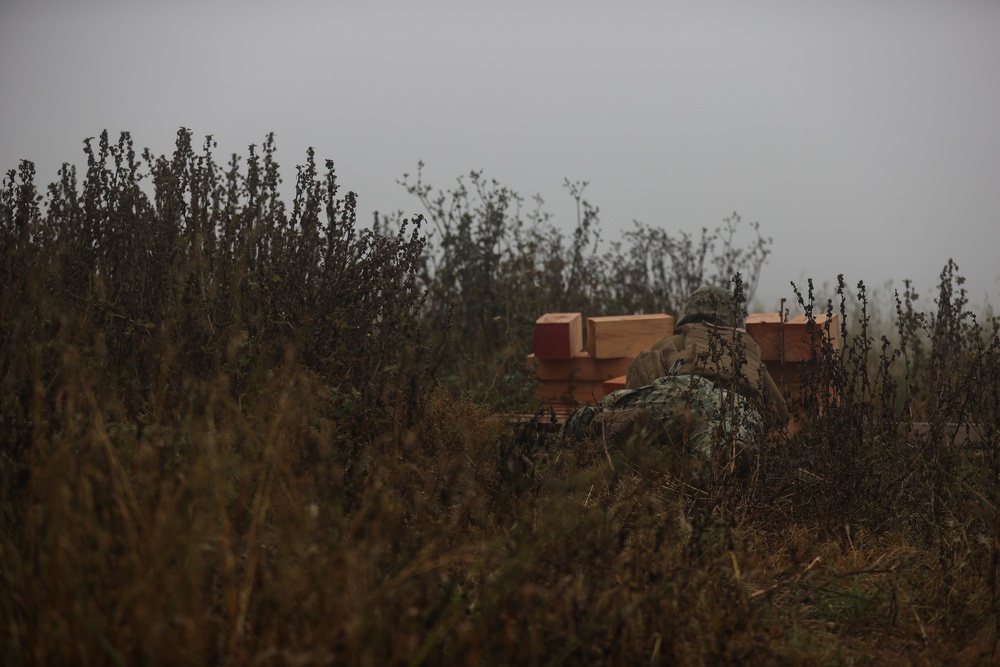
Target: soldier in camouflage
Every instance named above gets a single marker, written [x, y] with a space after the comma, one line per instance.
[703, 391]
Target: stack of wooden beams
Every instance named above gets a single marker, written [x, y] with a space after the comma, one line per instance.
[571, 373]
[787, 348]
[574, 369]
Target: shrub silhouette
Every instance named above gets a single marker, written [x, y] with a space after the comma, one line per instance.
[235, 430]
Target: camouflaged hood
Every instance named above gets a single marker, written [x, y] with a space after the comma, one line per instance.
[713, 305]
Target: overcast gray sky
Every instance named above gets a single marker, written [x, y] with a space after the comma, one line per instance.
[863, 136]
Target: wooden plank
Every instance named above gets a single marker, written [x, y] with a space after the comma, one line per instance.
[614, 384]
[558, 335]
[551, 414]
[791, 337]
[589, 391]
[581, 367]
[625, 335]
[788, 372]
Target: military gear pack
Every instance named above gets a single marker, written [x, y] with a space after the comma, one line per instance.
[728, 356]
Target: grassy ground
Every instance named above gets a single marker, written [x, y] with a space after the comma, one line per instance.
[461, 541]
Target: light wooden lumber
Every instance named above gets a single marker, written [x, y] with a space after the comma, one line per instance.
[625, 335]
[581, 367]
[583, 391]
[553, 412]
[790, 341]
[788, 372]
[614, 384]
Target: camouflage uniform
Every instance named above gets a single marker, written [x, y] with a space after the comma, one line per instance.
[708, 410]
[693, 407]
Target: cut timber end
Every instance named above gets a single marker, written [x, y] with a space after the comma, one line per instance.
[614, 384]
[581, 367]
[791, 341]
[625, 335]
[558, 335]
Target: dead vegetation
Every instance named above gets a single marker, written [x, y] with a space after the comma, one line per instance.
[241, 432]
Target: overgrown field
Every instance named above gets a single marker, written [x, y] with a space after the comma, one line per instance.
[239, 430]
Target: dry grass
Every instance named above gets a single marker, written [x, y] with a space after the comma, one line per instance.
[229, 436]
